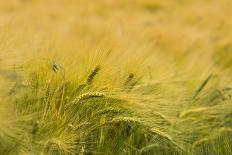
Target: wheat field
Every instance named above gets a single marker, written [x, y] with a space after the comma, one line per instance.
[133, 77]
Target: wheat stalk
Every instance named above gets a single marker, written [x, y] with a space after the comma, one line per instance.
[93, 74]
[87, 96]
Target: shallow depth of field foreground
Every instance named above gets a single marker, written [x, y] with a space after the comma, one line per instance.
[115, 77]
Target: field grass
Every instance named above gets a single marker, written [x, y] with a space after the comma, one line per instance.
[134, 77]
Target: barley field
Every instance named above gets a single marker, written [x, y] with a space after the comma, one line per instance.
[116, 77]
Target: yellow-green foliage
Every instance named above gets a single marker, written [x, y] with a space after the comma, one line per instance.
[116, 77]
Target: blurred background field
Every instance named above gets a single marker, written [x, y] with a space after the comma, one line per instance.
[173, 28]
[165, 59]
